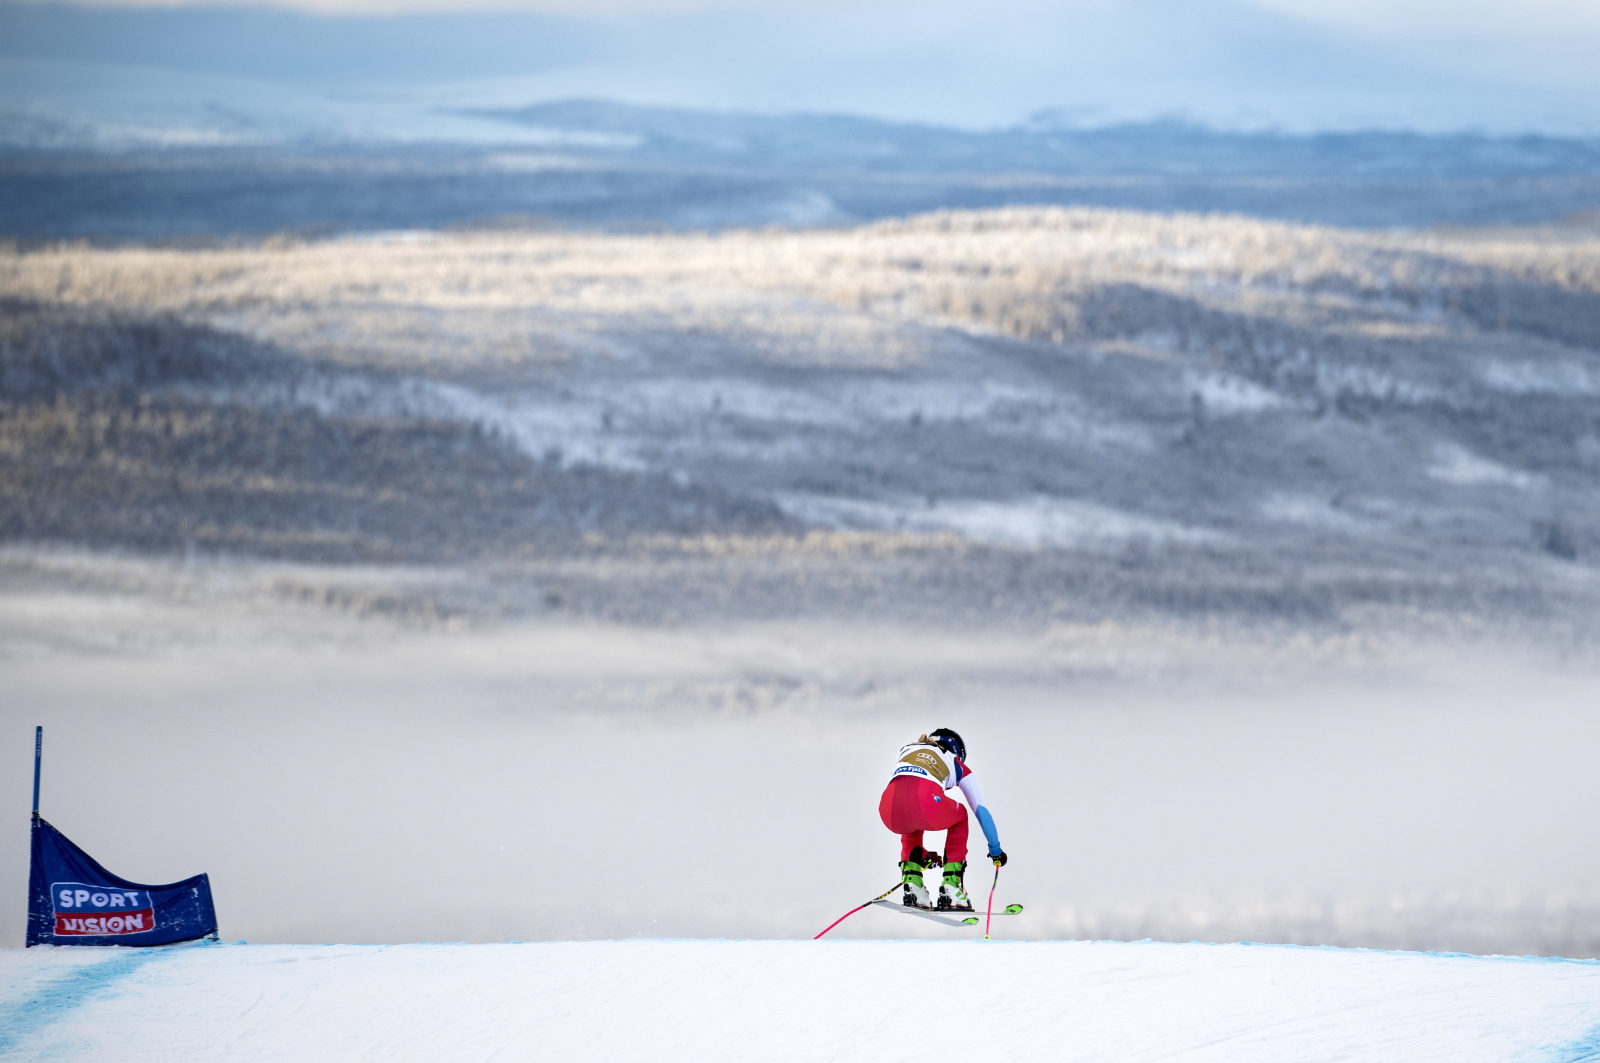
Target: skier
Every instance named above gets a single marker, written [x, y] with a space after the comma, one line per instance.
[915, 801]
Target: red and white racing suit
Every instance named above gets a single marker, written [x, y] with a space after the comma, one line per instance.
[917, 799]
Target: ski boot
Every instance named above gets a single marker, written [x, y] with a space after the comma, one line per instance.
[916, 894]
[952, 894]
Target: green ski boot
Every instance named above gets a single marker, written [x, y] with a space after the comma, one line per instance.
[916, 894]
[953, 894]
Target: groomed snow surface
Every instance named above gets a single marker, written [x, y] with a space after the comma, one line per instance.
[789, 1000]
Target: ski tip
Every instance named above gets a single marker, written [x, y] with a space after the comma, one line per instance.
[970, 922]
[1013, 909]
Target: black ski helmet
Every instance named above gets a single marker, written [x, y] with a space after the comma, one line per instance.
[951, 741]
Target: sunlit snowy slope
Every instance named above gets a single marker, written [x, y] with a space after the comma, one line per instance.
[781, 1000]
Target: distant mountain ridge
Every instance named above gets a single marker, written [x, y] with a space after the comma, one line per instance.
[241, 158]
[1045, 144]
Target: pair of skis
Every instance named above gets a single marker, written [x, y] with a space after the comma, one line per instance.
[947, 916]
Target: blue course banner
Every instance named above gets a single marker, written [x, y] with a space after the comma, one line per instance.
[72, 900]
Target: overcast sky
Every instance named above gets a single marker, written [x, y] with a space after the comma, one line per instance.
[1437, 18]
[1495, 65]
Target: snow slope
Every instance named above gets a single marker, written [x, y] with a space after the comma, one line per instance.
[782, 1000]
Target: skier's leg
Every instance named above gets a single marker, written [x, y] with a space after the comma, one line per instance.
[902, 810]
[955, 842]
[952, 817]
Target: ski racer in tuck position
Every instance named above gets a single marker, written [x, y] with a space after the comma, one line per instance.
[917, 799]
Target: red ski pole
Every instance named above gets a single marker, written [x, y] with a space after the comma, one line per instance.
[853, 911]
[989, 915]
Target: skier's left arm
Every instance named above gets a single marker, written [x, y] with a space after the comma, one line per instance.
[985, 820]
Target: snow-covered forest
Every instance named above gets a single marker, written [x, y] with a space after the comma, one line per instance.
[1107, 411]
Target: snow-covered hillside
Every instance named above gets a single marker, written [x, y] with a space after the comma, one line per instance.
[1104, 385]
[783, 1000]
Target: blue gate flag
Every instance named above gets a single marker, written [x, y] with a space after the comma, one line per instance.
[72, 900]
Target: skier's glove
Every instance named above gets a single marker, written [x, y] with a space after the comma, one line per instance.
[1000, 860]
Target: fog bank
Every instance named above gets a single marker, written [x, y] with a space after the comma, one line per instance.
[593, 781]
